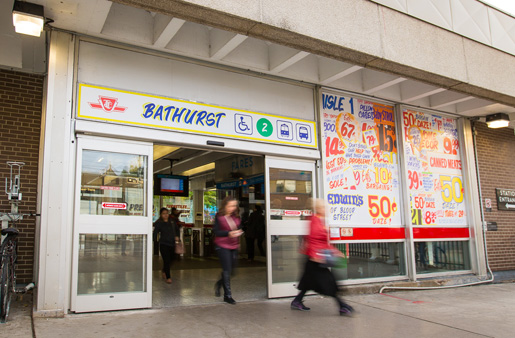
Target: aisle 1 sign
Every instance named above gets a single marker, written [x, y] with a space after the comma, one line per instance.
[120, 106]
[505, 199]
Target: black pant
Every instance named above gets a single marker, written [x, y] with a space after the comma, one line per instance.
[156, 248]
[228, 258]
[250, 248]
[168, 253]
[260, 246]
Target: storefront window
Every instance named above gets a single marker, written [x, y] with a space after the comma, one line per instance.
[371, 260]
[433, 163]
[290, 194]
[442, 256]
[113, 184]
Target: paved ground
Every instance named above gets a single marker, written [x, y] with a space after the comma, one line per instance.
[19, 322]
[479, 311]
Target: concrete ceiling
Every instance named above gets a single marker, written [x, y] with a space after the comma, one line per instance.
[116, 22]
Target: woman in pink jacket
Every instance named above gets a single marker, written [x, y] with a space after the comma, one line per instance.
[316, 276]
[227, 231]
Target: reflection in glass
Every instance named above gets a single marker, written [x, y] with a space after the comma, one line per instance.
[290, 194]
[113, 184]
[442, 256]
[371, 260]
[112, 263]
[287, 262]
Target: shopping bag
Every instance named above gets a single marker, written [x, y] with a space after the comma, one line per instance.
[179, 248]
[332, 259]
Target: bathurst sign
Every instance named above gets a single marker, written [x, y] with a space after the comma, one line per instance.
[158, 112]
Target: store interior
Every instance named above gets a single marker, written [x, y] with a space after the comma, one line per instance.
[193, 182]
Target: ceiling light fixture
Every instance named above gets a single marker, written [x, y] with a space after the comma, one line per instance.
[499, 120]
[28, 18]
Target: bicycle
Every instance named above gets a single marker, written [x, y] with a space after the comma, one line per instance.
[8, 248]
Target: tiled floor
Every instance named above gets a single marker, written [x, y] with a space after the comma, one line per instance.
[193, 282]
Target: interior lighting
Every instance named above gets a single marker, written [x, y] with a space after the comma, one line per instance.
[499, 120]
[28, 18]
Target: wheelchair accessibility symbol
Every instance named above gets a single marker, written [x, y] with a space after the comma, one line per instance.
[243, 124]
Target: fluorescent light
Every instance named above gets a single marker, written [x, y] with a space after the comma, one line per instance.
[198, 170]
[498, 124]
[499, 120]
[28, 18]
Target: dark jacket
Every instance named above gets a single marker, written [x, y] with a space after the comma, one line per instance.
[167, 230]
[256, 226]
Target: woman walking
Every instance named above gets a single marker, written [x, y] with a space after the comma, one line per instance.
[316, 276]
[227, 230]
[167, 228]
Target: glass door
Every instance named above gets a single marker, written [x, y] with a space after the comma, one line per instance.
[291, 186]
[112, 226]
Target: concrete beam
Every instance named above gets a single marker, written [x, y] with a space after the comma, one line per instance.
[100, 10]
[448, 98]
[340, 74]
[282, 65]
[384, 85]
[165, 35]
[223, 50]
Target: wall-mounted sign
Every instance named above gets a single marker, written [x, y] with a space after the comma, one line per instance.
[361, 170]
[505, 199]
[433, 165]
[120, 106]
[491, 226]
[488, 205]
[107, 205]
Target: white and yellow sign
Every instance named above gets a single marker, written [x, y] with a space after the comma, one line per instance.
[120, 106]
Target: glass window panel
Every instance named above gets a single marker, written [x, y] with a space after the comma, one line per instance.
[442, 256]
[113, 184]
[183, 204]
[290, 194]
[112, 263]
[371, 260]
[287, 262]
[210, 208]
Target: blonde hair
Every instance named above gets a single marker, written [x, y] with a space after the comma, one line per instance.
[319, 203]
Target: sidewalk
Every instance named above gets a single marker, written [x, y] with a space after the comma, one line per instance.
[479, 311]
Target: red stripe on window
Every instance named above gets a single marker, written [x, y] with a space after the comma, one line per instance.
[441, 233]
[360, 234]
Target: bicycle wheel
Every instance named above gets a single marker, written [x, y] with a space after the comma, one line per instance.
[5, 289]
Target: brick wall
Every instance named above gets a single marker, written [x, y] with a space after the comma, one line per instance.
[20, 124]
[496, 158]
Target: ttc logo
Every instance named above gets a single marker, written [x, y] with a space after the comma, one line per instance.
[107, 104]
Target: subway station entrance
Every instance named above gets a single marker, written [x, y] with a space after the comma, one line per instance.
[121, 186]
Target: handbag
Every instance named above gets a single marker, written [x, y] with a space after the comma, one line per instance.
[179, 248]
[331, 259]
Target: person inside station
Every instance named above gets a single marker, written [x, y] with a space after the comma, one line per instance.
[175, 216]
[166, 232]
[255, 230]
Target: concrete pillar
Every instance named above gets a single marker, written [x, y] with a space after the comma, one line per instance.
[55, 232]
